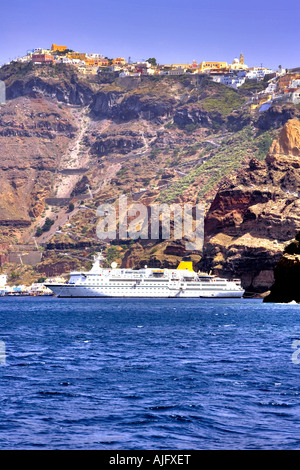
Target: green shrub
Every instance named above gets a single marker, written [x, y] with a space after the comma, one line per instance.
[45, 228]
[112, 254]
[38, 232]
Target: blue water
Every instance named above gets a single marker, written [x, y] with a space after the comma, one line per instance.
[148, 374]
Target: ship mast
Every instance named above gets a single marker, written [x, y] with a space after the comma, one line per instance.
[97, 262]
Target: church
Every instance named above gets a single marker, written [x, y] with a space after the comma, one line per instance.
[238, 64]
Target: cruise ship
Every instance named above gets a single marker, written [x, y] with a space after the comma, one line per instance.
[182, 282]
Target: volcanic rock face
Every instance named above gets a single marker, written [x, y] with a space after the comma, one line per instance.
[276, 116]
[117, 144]
[125, 108]
[287, 275]
[192, 115]
[64, 89]
[255, 213]
[33, 135]
[154, 139]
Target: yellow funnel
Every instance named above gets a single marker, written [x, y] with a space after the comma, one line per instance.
[186, 265]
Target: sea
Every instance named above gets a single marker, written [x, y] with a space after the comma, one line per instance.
[156, 374]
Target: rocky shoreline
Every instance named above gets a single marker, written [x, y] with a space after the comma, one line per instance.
[287, 274]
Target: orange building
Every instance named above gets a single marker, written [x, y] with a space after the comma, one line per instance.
[119, 61]
[56, 47]
[96, 62]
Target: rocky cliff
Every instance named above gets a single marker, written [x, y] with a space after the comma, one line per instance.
[287, 274]
[34, 135]
[255, 213]
[154, 139]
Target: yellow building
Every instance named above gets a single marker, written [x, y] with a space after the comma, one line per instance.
[77, 55]
[183, 66]
[212, 65]
[88, 70]
[56, 47]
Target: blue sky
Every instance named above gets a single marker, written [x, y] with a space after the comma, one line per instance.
[173, 31]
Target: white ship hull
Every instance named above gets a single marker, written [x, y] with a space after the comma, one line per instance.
[65, 290]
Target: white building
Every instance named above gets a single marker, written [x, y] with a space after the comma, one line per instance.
[25, 58]
[39, 289]
[271, 88]
[294, 83]
[77, 62]
[295, 96]
[258, 73]
[36, 50]
[3, 280]
[177, 71]
[233, 81]
[251, 75]
[95, 56]
[63, 60]
[144, 68]
[217, 78]
[42, 51]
